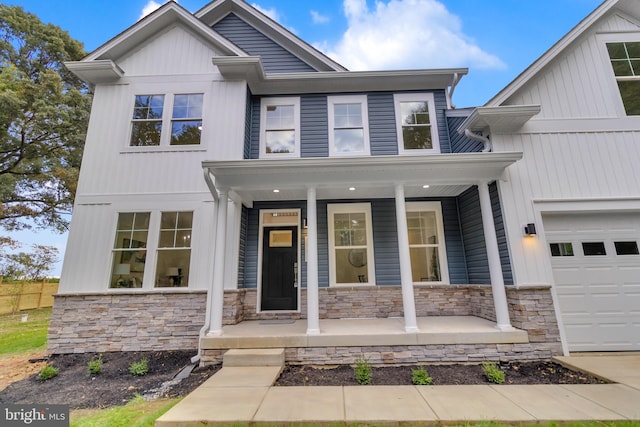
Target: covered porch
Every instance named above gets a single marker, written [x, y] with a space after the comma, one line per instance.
[393, 177]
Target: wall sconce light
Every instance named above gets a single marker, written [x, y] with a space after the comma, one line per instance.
[530, 229]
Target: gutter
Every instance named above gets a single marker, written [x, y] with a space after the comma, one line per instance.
[452, 88]
[487, 144]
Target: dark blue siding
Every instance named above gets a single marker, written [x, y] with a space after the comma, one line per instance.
[473, 236]
[456, 259]
[459, 142]
[314, 130]
[242, 252]
[275, 58]
[247, 127]
[440, 100]
[254, 150]
[385, 242]
[505, 261]
[383, 136]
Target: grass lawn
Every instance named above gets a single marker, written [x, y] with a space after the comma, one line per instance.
[24, 337]
[137, 413]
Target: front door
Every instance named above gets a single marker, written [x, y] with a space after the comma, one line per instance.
[279, 268]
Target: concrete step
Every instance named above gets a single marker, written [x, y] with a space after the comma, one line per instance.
[254, 357]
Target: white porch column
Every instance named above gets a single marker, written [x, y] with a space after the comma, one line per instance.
[406, 278]
[493, 254]
[217, 300]
[313, 312]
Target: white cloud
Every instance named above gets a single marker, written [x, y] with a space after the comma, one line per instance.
[271, 13]
[318, 18]
[405, 34]
[150, 7]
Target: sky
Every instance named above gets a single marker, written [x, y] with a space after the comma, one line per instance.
[495, 39]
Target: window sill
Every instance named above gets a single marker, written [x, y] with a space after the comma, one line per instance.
[163, 149]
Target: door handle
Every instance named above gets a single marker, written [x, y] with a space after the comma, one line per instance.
[295, 274]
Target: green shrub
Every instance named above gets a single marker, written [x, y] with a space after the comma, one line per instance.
[363, 371]
[420, 376]
[493, 373]
[139, 368]
[94, 366]
[48, 372]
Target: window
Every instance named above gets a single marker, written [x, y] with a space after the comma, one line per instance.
[416, 123]
[561, 249]
[348, 125]
[593, 248]
[280, 127]
[174, 249]
[426, 242]
[626, 248]
[350, 244]
[129, 250]
[625, 60]
[147, 120]
[147, 127]
[187, 119]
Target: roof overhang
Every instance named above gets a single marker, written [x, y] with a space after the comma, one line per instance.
[251, 70]
[372, 177]
[96, 72]
[503, 119]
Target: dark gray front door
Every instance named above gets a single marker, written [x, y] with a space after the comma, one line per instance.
[279, 268]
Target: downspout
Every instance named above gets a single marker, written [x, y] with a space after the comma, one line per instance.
[487, 143]
[452, 88]
[207, 317]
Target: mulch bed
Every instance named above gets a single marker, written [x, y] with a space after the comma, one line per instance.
[538, 372]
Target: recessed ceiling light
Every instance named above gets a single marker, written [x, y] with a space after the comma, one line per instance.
[425, 186]
[276, 191]
[352, 188]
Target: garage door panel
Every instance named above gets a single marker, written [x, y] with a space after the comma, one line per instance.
[598, 295]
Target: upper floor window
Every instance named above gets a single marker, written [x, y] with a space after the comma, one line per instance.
[416, 123]
[348, 125]
[625, 60]
[280, 127]
[148, 120]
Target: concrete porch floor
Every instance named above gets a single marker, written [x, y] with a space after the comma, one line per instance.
[363, 332]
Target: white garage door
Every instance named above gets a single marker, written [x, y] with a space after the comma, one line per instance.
[596, 267]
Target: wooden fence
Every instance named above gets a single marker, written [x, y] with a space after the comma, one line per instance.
[26, 295]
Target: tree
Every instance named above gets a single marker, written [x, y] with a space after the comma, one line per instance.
[44, 111]
[30, 265]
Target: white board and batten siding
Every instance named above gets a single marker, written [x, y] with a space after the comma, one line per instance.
[118, 178]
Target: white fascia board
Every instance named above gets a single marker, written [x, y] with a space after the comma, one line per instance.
[555, 50]
[155, 22]
[508, 118]
[216, 10]
[96, 72]
[251, 70]
[448, 169]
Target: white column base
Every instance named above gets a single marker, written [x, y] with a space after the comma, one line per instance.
[505, 328]
[313, 331]
[216, 333]
[411, 329]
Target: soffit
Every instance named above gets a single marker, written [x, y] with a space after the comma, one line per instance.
[503, 119]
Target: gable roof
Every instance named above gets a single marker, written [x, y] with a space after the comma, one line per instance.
[169, 13]
[219, 9]
[631, 7]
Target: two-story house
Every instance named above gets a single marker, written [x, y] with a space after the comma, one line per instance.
[239, 189]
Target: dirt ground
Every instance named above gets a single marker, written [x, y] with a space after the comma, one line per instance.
[115, 385]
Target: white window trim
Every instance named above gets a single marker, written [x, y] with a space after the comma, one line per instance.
[264, 102]
[612, 79]
[435, 207]
[351, 208]
[348, 99]
[167, 117]
[413, 97]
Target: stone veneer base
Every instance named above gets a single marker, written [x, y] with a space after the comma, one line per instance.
[136, 321]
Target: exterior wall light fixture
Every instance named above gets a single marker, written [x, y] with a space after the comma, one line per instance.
[530, 229]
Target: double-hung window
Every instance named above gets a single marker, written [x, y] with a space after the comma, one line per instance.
[416, 123]
[174, 249]
[153, 125]
[625, 60]
[280, 127]
[426, 242]
[351, 260]
[348, 125]
[130, 250]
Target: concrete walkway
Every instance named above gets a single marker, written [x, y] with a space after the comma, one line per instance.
[245, 395]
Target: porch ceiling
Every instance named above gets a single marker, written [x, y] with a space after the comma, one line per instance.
[372, 177]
